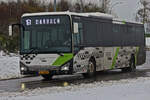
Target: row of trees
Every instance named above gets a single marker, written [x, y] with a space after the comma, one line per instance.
[11, 13]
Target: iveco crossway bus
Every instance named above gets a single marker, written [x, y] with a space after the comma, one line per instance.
[57, 43]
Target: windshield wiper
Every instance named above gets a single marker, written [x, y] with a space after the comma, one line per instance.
[61, 54]
[33, 50]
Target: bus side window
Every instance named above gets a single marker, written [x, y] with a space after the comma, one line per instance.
[77, 37]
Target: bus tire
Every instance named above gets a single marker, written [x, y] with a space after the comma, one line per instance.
[47, 77]
[91, 69]
[132, 66]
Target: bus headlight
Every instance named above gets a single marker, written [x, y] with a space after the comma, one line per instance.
[65, 67]
[23, 69]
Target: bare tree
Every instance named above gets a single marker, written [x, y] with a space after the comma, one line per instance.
[63, 5]
[81, 5]
[105, 6]
[143, 13]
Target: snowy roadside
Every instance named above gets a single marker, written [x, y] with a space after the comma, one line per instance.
[9, 67]
[126, 89]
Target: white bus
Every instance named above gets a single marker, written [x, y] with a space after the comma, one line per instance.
[57, 43]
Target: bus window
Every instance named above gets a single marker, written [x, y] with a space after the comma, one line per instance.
[77, 37]
[26, 40]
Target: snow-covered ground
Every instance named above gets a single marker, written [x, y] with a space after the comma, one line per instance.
[9, 67]
[148, 42]
[126, 89]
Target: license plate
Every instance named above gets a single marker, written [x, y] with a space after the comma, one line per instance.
[43, 72]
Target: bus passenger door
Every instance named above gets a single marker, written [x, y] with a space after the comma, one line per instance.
[108, 57]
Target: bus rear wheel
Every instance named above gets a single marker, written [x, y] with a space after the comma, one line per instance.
[91, 69]
[132, 66]
[47, 77]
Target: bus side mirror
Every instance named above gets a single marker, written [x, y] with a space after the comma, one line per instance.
[76, 28]
[10, 30]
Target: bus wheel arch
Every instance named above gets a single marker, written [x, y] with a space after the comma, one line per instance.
[132, 65]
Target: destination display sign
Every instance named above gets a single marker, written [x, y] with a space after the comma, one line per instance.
[42, 21]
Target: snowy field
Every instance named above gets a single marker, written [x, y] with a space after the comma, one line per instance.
[9, 67]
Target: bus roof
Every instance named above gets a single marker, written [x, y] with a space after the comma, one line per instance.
[90, 14]
[121, 21]
[93, 14]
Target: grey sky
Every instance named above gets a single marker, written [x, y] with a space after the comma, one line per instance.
[126, 10]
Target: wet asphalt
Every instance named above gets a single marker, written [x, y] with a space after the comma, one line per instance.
[17, 85]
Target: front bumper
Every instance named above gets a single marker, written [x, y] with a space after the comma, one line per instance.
[34, 70]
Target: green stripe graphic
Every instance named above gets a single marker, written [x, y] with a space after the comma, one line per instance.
[62, 59]
[115, 57]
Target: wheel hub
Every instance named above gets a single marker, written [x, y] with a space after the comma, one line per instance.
[91, 67]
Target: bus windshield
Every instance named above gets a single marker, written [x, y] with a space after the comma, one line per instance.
[46, 34]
